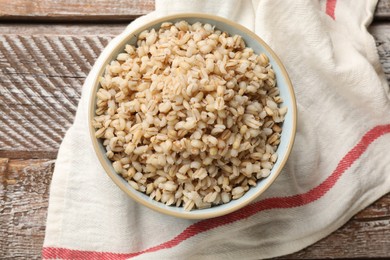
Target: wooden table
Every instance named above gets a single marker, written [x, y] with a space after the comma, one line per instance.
[47, 47]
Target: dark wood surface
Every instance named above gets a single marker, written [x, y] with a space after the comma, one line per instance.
[42, 68]
[74, 10]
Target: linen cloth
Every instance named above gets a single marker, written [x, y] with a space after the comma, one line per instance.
[338, 166]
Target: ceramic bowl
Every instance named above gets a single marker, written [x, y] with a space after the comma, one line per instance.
[283, 83]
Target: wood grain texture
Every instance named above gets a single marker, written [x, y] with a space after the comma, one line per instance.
[98, 10]
[74, 10]
[41, 75]
[382, 11]
[381, 34]
[40, 83]
[24, 192]
[62, 29]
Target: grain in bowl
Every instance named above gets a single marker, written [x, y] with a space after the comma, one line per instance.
[190, 116]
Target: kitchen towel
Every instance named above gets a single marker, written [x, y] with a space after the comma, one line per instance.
[340, 162]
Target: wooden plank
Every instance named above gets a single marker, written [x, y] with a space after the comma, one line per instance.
[74, 10]
[98, 10]
[41, 75]
[24, 192]
[41, 79]
[382, 11]
[381, 33]
[61, 29]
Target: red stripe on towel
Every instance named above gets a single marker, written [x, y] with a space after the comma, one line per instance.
[330, 8]
[266, 204]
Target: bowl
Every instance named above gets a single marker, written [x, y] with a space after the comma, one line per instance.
[288, 126]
